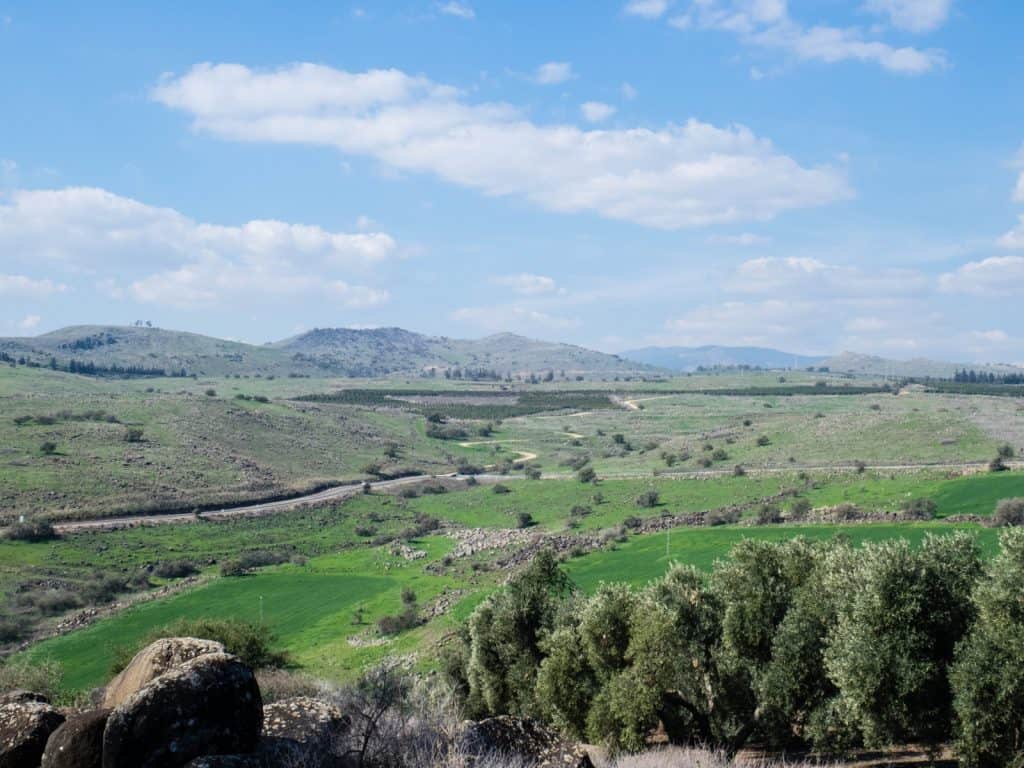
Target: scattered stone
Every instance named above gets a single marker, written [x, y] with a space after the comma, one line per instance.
[151, 662]
[209, 705]
[78, 743]
[24, 728]
[22, 697]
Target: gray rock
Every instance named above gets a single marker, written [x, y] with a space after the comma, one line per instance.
[78, 743]
[525, 738]
[22, 697]
[210, 705]
[24, 728]
[152, 661]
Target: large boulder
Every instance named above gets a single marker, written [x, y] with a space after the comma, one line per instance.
[525, 738]
[78, 743]
[24, 728]
[301, 730]
[151, 662]
[210, 705]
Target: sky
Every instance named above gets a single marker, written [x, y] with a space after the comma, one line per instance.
[814, 175]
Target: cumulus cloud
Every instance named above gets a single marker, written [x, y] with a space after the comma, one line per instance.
[28, 322]
[767, 24]
[178, 261]
[994, 276]
[596, 111]
[513, 317]
[554, 72]
[459, 10]
[648, 9]
[526, 284]
[797, 276]
[686, 175]
[20, 286]
[912, 15]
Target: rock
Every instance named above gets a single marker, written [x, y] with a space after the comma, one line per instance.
[301, 730]
[227, 761]
[24, 728]
[526, 738]
[22, 697]
[210, 705]
[78, 743]
[151, 662]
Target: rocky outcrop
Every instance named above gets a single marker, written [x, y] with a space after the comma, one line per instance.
[151, 662]
[22, 697]
[78, 743]
[209, 705]
[525, 738]
[25, 727]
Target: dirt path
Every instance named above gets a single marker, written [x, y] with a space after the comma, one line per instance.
[523, 455]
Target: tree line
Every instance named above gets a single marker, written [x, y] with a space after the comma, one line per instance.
[797, 644]
[88, 368]
[965, 376]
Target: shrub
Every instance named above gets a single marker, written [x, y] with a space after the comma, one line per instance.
[997, 465]
[860, 466]
[175, 569]
[722, 517]
[800, 509]
[499, 488]
[32, 531]
[719, 454]
[768, 514]
[39, 676]
[400, 622]
[1006, 451]
[648, 499]
[919, 509]
[524, 520]
[587, 475]
[532, 473]
[366, 531]
[764, 440]
[1009, 512]
[252, 643]
[211, 392]
[48, 448]
[580, 510]
[704, 462]
[739, 471]
[133, 434]
[409, 493]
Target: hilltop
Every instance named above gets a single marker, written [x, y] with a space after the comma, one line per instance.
[872, 365]
[319, 352]
[689, 359]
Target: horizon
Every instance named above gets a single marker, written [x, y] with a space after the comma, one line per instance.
[793, 176]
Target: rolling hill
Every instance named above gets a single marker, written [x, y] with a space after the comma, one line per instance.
[320, 352]
[871, 365]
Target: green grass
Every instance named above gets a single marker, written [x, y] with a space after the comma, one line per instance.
[644, 558]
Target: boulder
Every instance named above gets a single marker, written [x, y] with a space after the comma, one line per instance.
[78, 743]
[525, 738]
[151, 662]
[24, 728]
[301, 730]
[210, 705]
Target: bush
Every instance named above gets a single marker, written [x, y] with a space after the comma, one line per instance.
[800, 508]
[34, 531]
[392, 625]
[587, 475]
[21, 674]
[997, 465]
[764, 440]
[524, 520]
[175, 569]
[919, 509]
[739, 471]
[648, 499]
[133, 434]
[1006, 451]
[366, 531]
[252, 643]
[719, 454]
[722, 517]
[768, 514]
[48, 448]
[580, 510]
[500, 489]
[211, 392]
[1009, 512]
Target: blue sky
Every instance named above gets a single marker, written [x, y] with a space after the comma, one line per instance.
[818, 176]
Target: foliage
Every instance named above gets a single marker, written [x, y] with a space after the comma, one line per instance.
[33, 531]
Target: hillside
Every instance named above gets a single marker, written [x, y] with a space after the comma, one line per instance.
[688, 359]
[324, 352]
[871, 365]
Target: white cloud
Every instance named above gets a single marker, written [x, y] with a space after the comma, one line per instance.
[767, 24]
[8, 172]
[628, 92]
[994, 276]
[526, 284]
[28, 322]
[460, 10]
[994, 336]
[648, 9]
[686, 175]
[513, 318]
[171, 259]
[801, 277]
[22, 287]
[744, 239]
[596, 111]
[554, 72]
[1018, 192]
[1015, 237]
[912, 15]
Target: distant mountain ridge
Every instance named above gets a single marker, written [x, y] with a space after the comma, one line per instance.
[319, 352]
[689, 359]
[856, 363]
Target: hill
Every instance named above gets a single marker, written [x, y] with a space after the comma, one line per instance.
[136, 350]
[688, 359]
[871, 365]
